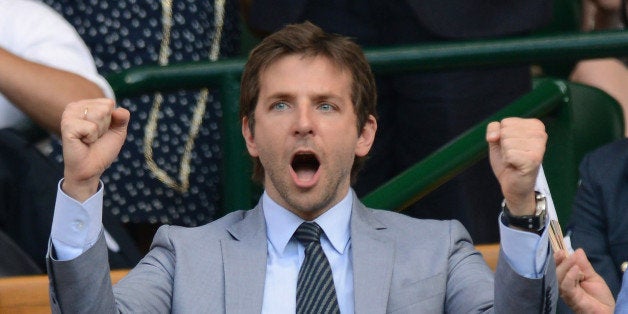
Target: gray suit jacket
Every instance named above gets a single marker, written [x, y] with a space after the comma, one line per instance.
[400, 264]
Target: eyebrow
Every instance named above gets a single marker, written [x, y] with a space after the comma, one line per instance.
[280, 95]
[316, 97]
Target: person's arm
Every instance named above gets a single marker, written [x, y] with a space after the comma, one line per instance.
[75, 225]
[609, 75]
[40, 91]
[582, 289]
[44, 63]
[516, 149]
[92, 133]
[526, 252]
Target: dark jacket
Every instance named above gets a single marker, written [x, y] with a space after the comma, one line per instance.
[28, 188]
[599, 221]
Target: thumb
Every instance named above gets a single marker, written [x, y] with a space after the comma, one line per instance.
[112, 141]
[494, 147]
[119, 120]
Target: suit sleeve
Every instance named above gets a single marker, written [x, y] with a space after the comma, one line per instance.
[470, 283]
[469, 280]
[517, 294]
[83, 285]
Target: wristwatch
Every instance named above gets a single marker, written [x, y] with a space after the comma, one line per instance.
[534, 223]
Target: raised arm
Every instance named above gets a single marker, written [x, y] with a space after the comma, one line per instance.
[516, 148]
[92, 132]
[525, 280]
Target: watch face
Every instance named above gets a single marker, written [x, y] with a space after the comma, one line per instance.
[541, 204]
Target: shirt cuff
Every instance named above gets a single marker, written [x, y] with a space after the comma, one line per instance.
[75, 225]
[526, 252]
[622, 297]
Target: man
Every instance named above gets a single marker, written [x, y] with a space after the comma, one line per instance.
[308, 118]
[599, 219]
[420, 111]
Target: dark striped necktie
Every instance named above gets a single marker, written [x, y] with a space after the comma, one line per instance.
[315, 287]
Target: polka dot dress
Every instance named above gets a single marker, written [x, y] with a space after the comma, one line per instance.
[128, 33]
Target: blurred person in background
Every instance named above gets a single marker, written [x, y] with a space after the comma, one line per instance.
[608, 74]
[169, 169]
[599, 219]
[44, 65]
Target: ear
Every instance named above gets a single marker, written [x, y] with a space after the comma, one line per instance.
[247, 133]
[366, 138]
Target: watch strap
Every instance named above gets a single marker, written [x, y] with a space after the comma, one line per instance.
[534, 222]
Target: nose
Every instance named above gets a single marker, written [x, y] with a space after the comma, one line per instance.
[304, 124]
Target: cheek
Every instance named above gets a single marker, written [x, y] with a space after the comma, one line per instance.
[268, 147]
[345, 149]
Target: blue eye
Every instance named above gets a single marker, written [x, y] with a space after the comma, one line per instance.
[280, 106]
[326, 107]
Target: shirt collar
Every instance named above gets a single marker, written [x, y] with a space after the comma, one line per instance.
[282, 223]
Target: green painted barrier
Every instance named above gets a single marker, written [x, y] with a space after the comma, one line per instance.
[239, 193]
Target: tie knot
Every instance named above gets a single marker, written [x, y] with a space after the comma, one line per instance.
[308, 232]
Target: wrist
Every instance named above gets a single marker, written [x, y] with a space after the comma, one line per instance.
[79, 190]
[520, 205]
[534, 222]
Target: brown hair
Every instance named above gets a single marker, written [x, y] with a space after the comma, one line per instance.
[309, 40]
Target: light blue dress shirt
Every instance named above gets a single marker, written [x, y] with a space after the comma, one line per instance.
[75, 228]
[622, 298]
[285, 254]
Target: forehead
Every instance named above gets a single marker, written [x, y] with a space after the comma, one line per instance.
[294, 70]
[304, 58]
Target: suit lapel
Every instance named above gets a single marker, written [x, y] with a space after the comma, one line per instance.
[245, 264]
[373, 257]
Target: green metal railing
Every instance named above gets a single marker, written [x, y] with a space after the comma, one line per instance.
[461, 152]
[435, 169]
[560, 48]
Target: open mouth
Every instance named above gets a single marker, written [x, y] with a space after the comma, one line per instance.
[305, 166]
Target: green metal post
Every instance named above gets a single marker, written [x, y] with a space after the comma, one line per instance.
[236, 188]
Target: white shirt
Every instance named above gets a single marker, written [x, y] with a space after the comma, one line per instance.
[35, 32]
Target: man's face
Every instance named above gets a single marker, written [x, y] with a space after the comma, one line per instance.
[306, 133]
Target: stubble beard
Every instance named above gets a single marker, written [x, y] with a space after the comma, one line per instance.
[311, 202]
